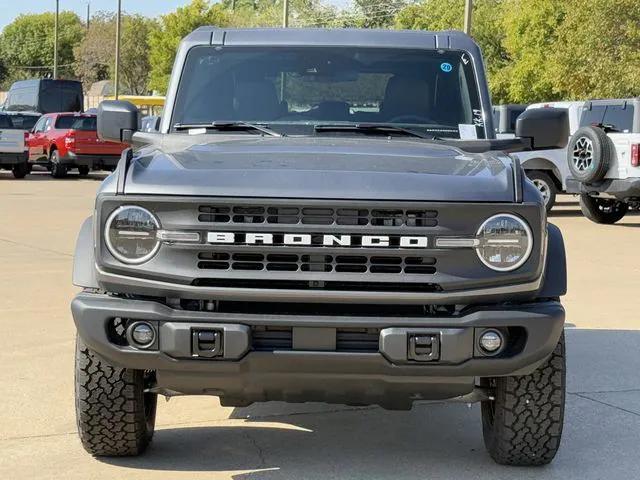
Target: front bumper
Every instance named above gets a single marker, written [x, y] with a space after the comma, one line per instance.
[10, 159]
[621, 189]
[91, 161]
[243, 375]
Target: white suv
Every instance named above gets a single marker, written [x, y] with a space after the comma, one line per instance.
[548, 169]
[603, 157]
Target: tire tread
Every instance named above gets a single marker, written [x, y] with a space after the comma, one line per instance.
[529, 413]
[109, 406]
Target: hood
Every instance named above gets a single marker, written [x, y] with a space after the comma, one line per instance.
[322, 168]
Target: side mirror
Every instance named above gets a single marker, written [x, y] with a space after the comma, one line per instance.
[545, 128]
[117, 121]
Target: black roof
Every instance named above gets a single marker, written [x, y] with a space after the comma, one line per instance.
[449, 39]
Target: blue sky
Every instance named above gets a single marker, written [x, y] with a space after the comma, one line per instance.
[9, 9]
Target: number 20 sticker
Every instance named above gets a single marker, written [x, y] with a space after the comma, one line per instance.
[446, 67]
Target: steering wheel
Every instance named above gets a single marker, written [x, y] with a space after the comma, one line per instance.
[410, 119]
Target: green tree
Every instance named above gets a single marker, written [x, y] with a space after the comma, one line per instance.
[164, 40]
[95, 55]
[598, 50]
[26, 45]
[487, 31]
[4, 72]
[531, 37]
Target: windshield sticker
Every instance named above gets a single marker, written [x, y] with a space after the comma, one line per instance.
[467, 131]
[478, 118]
[464, 58]
[446, 67]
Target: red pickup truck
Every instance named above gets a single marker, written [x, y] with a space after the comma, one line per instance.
[63, 141]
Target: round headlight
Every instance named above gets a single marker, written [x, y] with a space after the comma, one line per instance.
[505, 242]
[131, 234]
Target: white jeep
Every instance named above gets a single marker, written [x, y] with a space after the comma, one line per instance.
[603, 156]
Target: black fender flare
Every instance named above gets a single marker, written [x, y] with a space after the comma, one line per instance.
[543, 165]
[554, 283]
[84, 263]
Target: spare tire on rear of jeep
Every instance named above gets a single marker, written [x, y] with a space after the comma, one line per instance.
[589, 154]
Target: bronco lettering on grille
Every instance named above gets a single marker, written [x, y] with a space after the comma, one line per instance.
[317, 240]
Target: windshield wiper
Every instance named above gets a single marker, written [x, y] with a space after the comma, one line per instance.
[231, 125]
[371, 127]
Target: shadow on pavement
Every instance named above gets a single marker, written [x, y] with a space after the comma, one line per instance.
[43, 175]
[437, 441]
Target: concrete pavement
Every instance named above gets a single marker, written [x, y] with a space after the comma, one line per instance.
[197, 438]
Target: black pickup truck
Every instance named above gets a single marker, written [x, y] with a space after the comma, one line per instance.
[323, 215]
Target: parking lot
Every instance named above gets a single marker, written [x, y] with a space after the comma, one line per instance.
[196, 438]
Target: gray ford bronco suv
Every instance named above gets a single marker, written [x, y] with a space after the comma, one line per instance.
[323, 215]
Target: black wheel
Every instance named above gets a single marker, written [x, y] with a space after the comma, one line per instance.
[115, 416]
[57, 169]
[83, 170]
[546, 186]
[522, 426]
[20, 170]
[602, 210]
[589, 154]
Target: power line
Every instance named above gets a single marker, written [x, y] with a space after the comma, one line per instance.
[315, 20]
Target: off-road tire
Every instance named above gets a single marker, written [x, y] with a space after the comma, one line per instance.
[83, 170]
[57, 169]
[544, 179]
[602, 210]
[115, 416]
[20, 170]
[522, 426]
[598, 158]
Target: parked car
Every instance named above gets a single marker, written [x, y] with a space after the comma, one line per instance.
[603, 157]
[315, 242]
[13, 154]
[548, 169]
[45, 96]
[64, 141]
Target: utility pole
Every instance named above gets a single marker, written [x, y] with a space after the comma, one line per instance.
[285, 14]
[55, 41]
[88, 14]
[116, 80]
[468, 13]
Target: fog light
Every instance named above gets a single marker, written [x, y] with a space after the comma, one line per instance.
[491, 341]
[143, 334]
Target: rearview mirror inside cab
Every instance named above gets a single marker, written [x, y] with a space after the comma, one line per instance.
[544, 128]
[117, 121]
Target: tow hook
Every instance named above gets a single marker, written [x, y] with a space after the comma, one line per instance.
[423, 347]
[206, 343]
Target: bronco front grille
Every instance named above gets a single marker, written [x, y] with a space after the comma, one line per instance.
[291, 262]
[300, 247]
[308, 215]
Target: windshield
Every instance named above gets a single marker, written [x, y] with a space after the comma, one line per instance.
[24, 122]
[434, 91]
[84, 123]
[18, 121]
